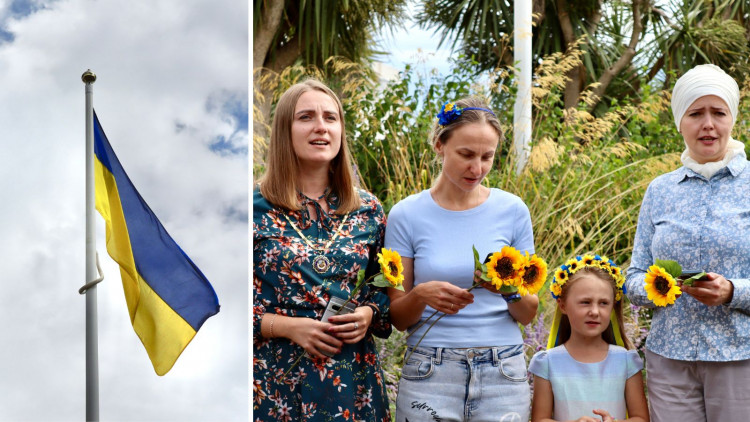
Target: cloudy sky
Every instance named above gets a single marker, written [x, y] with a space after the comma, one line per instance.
[171, 95]
[415, 46]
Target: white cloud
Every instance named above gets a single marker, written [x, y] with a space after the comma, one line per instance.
[160, 65]
[415, 46]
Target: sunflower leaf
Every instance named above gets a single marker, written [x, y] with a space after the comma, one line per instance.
[508, 290]
[382, 282]
[360, 277]
[672, 267]
[689, 282]
[477, 264]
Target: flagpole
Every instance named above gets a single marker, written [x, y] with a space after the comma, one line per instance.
[522, 19]
[92, 348]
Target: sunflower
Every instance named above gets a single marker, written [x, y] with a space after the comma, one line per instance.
[555, 289]
[506, 267]
[391, 266]
[588, 260]
[534, 275]
[661, 287]
[573, 265]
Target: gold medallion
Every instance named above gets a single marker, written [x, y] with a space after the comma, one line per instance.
[321, 264]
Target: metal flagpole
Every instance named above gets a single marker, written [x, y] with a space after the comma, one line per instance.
[92, 348]
[522, 57]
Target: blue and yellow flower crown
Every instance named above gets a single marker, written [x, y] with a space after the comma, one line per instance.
[573, 265]
[450, 112]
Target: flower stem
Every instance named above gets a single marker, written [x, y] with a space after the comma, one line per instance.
[422, 338]
[433, 323]
[420, 325]
[296, 362]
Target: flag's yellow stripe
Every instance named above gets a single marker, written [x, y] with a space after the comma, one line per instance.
[164, 341]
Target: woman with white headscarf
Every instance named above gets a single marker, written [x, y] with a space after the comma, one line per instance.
[698, 349]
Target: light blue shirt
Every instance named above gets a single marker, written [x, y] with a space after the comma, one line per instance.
[440, 242]
[704, 225]
[579, 388]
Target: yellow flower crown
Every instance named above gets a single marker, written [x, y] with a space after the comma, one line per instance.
[563, 274]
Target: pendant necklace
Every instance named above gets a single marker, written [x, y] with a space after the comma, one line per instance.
[320, 263]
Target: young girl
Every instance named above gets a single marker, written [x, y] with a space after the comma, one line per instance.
[590, 367]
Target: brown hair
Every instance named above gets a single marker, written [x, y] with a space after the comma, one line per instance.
[279, 182]
[443, 133]
[608, 335]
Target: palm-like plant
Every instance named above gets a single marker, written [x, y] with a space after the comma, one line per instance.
[309, 32]
[624, 42]
[695, 32]
[483, 30]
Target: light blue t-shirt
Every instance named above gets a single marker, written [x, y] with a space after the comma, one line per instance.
[579, 388]
[440, 241]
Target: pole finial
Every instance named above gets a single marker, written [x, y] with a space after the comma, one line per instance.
[88, 77]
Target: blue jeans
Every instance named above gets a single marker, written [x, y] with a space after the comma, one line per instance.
[483, 384]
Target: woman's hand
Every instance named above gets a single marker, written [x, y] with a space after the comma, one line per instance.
[312, 335]
[351, 328]
[443, 296]
[713, 290]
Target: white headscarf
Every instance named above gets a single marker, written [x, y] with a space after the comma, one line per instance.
[702, 80]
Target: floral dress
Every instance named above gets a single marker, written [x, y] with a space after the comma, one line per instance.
[348, 386]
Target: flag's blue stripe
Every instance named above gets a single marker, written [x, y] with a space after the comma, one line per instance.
[158, 259]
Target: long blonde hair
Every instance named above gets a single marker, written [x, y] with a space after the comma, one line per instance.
[279, 182]
[609, 334]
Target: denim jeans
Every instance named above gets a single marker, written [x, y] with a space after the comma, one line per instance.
[483, 384]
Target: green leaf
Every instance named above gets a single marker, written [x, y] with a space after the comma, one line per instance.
[483, 269]
[508, 290]
[689, 282]
[477, 263]
[360, 277]
[672, 267]
[381, 281]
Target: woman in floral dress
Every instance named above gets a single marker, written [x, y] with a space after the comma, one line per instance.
[312, 233]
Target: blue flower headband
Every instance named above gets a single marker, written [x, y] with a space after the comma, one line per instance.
[573, 265]
[450, 112]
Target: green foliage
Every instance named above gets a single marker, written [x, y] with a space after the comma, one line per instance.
[480, 28]
[391, 352]
[325, 28]
[687, 33]
[391, 128]
[673, 268]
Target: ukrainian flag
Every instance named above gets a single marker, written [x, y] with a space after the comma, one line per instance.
[167, 295]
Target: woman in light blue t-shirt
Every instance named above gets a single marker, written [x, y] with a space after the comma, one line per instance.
[470, 365]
